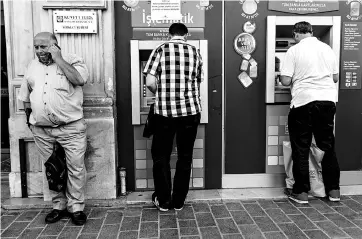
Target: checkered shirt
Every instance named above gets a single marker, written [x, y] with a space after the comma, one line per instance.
[178, 68]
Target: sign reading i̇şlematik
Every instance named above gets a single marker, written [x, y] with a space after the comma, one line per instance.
[304, 6]
[351, 58]
[74, 22]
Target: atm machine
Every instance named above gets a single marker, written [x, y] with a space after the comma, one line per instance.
[142, 98]
[279, 40]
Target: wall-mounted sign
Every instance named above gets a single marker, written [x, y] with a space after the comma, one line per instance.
[130, 5]
[351, 59]
[191, 16]
[75, 22]
[244, 43]
[249, 8]
[165, 10]
[161, 34]
[355, 10]
[249, 27]
[304, 6]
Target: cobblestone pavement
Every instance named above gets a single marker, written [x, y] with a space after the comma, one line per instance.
[235, 219]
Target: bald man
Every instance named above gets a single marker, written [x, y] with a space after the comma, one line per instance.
[52, 89]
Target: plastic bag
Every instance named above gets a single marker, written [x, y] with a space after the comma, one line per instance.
[315, 169]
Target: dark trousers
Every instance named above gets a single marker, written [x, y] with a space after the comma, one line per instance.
[315, 118]
[185, 129]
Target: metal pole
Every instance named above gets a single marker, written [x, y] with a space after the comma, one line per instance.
[23, 170]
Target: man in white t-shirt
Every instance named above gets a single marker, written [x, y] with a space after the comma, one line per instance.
[310, 67]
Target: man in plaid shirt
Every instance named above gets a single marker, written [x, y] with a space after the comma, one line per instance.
[174, 73]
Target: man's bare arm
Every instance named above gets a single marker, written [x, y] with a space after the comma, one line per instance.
[151, 83]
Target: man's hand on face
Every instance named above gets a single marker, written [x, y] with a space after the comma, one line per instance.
[55, 51]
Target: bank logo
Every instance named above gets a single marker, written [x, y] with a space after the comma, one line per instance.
[204, 5]
[131, 5]
[59, 18]
[354, 9]
[249, 8]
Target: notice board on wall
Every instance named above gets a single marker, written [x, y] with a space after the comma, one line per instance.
[351, 59]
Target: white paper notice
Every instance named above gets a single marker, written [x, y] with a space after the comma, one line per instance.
[245, 80]
[253, 71]
[166, 10]
[244, 65]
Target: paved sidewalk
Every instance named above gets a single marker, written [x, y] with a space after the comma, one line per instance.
[234, 219]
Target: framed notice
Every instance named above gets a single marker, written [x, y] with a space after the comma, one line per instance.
[67, 4]
[75, 22]
[166, 10]
[351, 59]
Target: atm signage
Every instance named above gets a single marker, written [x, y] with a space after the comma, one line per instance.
[191, 16]
[161, 34]
[304, 6]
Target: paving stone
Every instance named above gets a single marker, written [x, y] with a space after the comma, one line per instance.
[30, 233]
[169, 234]
[132, 211]
[220, 211]
[201, 207]
[227, 226]
[189, 231]
[339, 220]
[130, 223]
[109, 231]
[149, 229]
[251, 231]
[205, 220]
[277, 215]
[13, 212]
[27, 216]
[302, 222]
[266, 204]
[55, 237]
[128, 235]
[254, 210]
[233, 236]
[98, 213]
[69, 232]
[54, 228]
[353, 205]
[39, 221]
[357, 198]
[313, 214]
[186, 213]
[248, 202]
[114, 217]
[316, 234]
[292, 231]
[92, 225]
[355, 232]
[321, 206]
[348, 213]
[191, 237]
[187, 223]
[87, 211]
[242, 217]
[358, 223]
[7, 220]
[168, 221]
[234, 206]
[265, 224]
[88, 236]
[15, 229]
[149, 215]
[210, 233]
[274, 235]
[288, 208]
[330, 229]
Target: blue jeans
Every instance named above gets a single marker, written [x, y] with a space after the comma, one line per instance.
[185, 129]
[315, 118]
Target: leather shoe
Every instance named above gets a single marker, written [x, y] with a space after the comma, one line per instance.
[78, 218]
[55, 215]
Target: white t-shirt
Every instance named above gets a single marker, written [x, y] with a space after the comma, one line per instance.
[311, 64]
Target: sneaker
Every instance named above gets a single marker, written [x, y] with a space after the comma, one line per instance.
[301, 198]
[178, 207]
[155, 202]
[334, 195]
